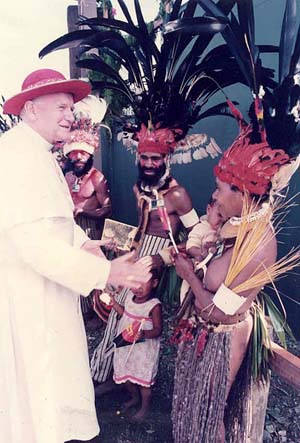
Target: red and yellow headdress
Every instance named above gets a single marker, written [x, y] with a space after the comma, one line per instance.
[250, 163]
[84, 136]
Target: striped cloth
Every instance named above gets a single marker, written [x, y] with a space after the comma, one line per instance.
[102, 359]
[92, 230]
[91, 227]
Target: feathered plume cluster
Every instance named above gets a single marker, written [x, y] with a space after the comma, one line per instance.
[88, 114]
[91, 108]
[166, 85]
[169, 86]
[275, 111]
[84, 136]
[250, 166]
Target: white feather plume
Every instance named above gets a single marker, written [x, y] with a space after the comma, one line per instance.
[90, 107]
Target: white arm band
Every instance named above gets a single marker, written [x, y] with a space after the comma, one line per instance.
[227, 301]
[189, 219]
[165, 255]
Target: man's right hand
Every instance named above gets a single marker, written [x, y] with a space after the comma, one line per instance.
[126, 271]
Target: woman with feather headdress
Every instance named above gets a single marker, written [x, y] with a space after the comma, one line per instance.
[212, 392]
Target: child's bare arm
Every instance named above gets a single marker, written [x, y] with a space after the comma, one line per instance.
[196, 252]
[116, 306]
[156, 314]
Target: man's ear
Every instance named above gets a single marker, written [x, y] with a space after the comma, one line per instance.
[155, 282]
[29, 109]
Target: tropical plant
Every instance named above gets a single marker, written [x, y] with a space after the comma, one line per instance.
[280, 99]
[169, 85]
[8, 121]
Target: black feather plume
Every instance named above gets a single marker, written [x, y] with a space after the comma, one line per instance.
[166, 85]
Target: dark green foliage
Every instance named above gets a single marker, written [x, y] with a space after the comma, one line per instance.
[167, 85]
[283, 130]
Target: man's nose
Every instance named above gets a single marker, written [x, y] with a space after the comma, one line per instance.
[69, 115]
[148, 162]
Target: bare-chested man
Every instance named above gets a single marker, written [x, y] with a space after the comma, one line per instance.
[89, 191]
[90, 194]
[154, 188]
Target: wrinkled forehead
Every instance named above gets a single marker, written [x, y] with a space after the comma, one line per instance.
[79, 151]
[151, 155]
[58, 98]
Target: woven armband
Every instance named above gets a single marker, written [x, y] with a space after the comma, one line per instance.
[190, 219]
[227, 301]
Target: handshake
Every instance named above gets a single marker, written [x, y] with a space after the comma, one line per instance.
[127, 270]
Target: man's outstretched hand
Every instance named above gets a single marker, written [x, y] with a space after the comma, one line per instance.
[127, 271]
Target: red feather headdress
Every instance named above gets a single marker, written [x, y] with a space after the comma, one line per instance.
[249, 166]
[160, 140]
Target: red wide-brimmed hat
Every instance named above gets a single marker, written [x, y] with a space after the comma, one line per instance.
[42, 82]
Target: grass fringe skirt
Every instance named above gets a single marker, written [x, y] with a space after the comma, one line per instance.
[199, 398]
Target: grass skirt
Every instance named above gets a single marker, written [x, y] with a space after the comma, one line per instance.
[199, 398]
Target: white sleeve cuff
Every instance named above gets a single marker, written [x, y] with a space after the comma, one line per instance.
[80, 237]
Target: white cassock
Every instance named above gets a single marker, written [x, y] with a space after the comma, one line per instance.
[46, 392]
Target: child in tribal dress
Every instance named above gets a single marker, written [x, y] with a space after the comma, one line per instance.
[136, 365]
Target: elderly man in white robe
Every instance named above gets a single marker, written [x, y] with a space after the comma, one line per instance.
[46, 261]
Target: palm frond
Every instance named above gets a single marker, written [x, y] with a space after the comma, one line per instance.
[278, 320]
[95, 63]
[260, 344]
[71, 40]
[165, 85]
[287, 39]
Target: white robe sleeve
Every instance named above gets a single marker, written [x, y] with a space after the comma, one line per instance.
[80, 236]
[39, 246]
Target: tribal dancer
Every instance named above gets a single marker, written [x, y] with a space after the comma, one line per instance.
[156, 188]
[87, 185]
[212, 378]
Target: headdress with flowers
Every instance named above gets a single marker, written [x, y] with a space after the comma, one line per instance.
[84, 136]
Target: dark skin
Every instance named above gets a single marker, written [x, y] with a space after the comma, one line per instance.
[230, 204]
[177, 200]
[93, 199]
[136, 391]
[155, 314]
[178, 203]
